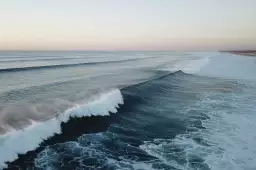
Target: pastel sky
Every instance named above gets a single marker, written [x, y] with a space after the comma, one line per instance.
[127, 24]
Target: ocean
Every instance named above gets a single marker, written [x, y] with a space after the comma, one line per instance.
[127, 110]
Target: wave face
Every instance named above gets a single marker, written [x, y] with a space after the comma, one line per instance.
[30, 137]
[178, 121]
[198, 118]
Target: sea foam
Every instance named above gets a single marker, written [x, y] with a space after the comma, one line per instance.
[24, 140]
[226, 65]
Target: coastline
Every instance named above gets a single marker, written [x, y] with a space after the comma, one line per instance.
[243, 52]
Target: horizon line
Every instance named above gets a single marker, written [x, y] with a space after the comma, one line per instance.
[113, 50]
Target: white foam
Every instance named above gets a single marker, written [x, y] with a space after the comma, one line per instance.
[24, 140]
[160, 148]
[48, 158]
[192, 66]
[189, 64]
[215, 64]
[228, 65]
[157, 148]
[228, 142]
[233, 132]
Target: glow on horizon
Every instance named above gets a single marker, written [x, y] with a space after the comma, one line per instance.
[127, 24]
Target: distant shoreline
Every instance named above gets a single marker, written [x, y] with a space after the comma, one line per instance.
[243, 52]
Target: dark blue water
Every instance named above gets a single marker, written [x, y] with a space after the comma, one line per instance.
[132, 113]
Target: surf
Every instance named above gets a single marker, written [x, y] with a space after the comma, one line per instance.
[174, 110]
[30, 137]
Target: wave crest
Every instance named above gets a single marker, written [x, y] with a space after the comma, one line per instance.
[30, 137]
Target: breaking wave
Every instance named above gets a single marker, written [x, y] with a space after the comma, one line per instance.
[179, 121]
[217, 64]
[30, 137]
[196, 118]
[226, 65]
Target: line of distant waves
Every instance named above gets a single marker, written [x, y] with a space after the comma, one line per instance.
[36, 59]
[16, 69]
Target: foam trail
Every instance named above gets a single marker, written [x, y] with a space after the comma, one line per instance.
[190, 66]
[24, 140]
[228, 65]
[217, 64]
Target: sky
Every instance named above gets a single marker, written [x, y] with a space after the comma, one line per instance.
[127, 24]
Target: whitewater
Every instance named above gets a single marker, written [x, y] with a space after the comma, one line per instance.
[127, 110]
